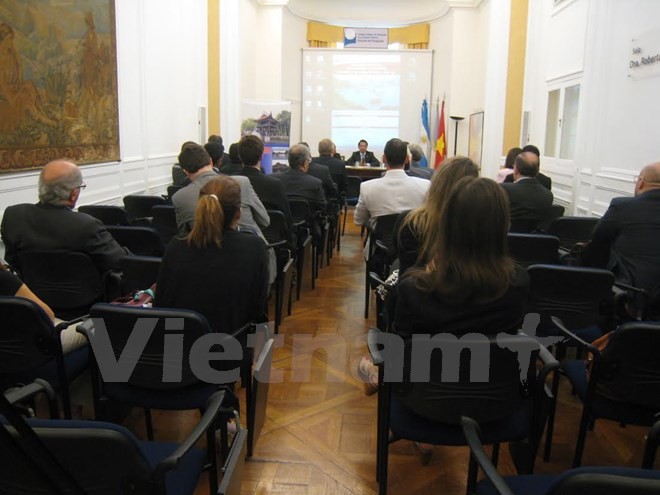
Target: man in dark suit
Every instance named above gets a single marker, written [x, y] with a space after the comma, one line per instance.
[270, 190]
[627, 238]
[297, 183]
[529, 201]
[362, 156]
[52, 224]
[544, 180]
[336, 167]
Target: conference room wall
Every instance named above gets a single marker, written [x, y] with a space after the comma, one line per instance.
[589, 43]
[161, 66]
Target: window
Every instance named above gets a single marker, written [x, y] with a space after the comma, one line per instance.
[561, 122]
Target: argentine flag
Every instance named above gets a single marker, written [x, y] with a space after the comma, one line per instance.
[424, 133]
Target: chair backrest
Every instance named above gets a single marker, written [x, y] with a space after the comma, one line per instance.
[572, 230]
[261, 376]
[484, 383]
[352, 189]
[102, 458]
[384, 229]
[630, 368]
[301, 210]
[233, 468]
[139, 205]
[138, 272]
[171, 191]
[69, 282]
[578, 296]
[121, 321]
[277, 230]
[27, 339]
[530, 249]
[109, 215]
[164, 221]
[143, 241]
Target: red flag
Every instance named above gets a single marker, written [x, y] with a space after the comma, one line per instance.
[441, 142]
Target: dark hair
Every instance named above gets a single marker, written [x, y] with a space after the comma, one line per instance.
[298, 155]
[362, 141]
[193, 157]
[214, 138]
[511, 157]
[396, 152]
[527, 164]
[250, 148]
[471, 264]
[215, 151]
[233, 153]
[219, 202]
[532, 149]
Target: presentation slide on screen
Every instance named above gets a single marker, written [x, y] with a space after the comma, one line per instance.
[366, 94]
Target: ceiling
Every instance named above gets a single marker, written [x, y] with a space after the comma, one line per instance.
[371, 13]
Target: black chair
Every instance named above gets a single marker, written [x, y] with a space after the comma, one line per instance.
[556, 211]
[424, 399]
[623, 383]
[352, 195]
[171, 191]
[571, 230]
[139, 206]
[138, 272]
[154, 382]
[78, 457]
[581, 298]
[303, 224]
[381, 242]
[531, 249]
[109, 215]
[277, 234]
[581, 481]
[30, 348]
[261, 381]
[651, 448]
[69, 282]
[163, 219]
[142, 241]
[233, 468]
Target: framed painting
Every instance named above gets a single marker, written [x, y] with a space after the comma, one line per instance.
[476, 140]
[58, 83]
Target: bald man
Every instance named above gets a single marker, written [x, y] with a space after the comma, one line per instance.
[627, 239]
[51, 224]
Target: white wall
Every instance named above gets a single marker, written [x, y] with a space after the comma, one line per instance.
[161, 65]
[589, 42]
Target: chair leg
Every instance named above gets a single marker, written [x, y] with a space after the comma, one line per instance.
[582, 438]
[495, 457]
[299, 273]
[473, 471]
[212, 457]
[343, 229]
[367, 292]
[150, 424]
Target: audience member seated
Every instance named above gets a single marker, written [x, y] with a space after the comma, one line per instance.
[415, 169]
[470, 284]
[11, 285]
[417, 231]
[269, 189]
[362, 157]
[336, 167]
[51, 224]
[507, 169]
[216, 270]
[323, 174]
[179, 177]
[297, 183]
[233, 154]
[529, 201]
[226, 159]
[544, 180]
[393, 193]
[627, 239]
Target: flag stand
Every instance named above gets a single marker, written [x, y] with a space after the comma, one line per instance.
[457, 120]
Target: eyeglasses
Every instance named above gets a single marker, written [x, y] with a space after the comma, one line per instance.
[81, 186]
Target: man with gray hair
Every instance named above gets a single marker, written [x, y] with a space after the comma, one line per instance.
[51, 224]
[336, 166]
[415, 169]
[297, 183]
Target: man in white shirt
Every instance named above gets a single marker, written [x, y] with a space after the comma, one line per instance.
[394, 192]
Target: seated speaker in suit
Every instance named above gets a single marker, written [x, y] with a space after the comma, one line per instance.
[529, 201]
[544, 180]
[362, 156]
[627, 238]
[52, 225]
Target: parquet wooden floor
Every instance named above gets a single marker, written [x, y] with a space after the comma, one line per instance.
[320, 433]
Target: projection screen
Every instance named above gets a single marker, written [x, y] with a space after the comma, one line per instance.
[348, 95]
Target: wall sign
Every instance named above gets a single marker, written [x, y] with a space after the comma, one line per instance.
[365, 38]
[645, 55]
